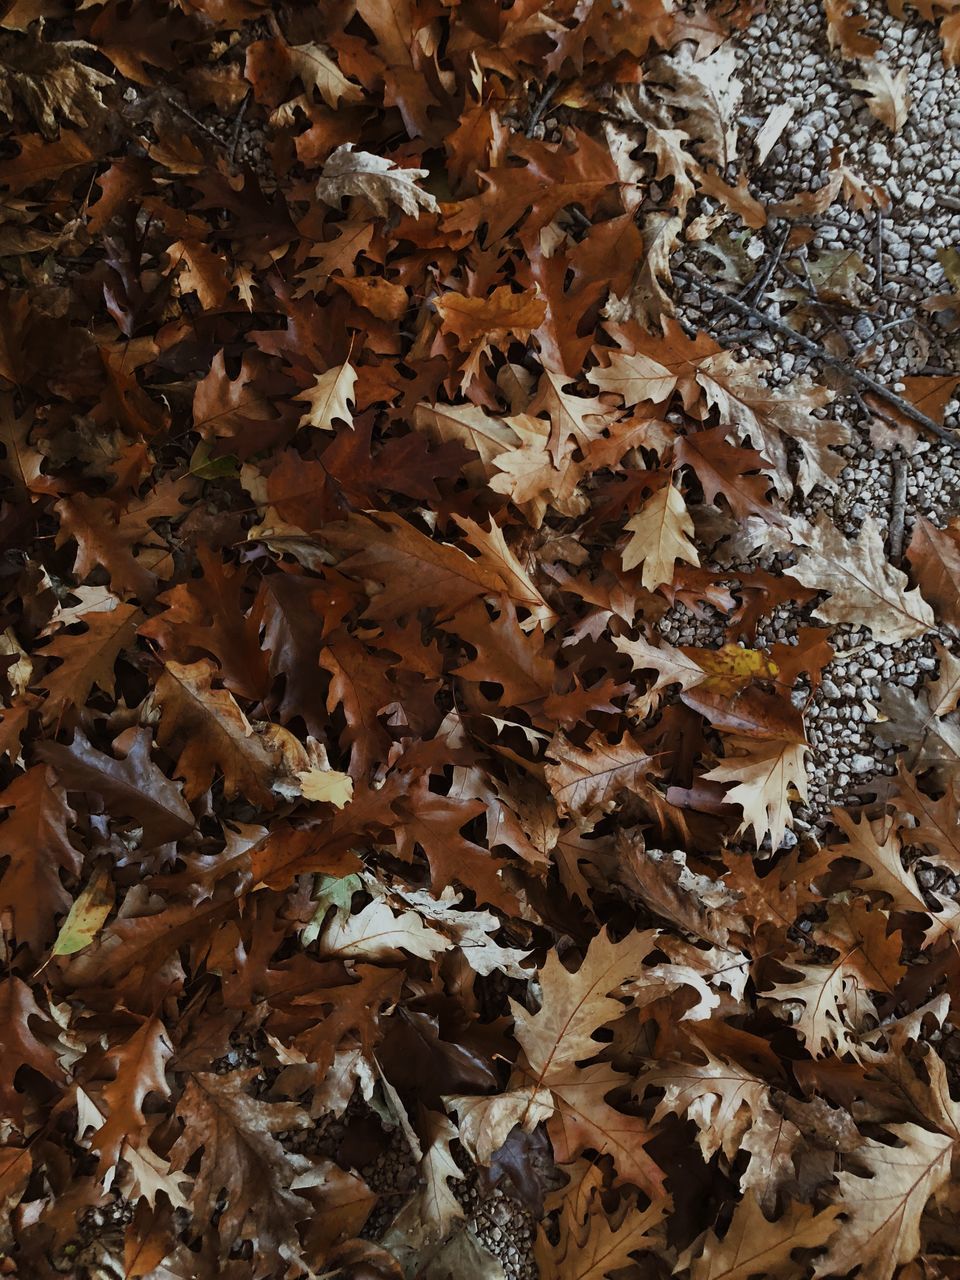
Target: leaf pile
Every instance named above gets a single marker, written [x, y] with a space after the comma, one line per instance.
[353, 456]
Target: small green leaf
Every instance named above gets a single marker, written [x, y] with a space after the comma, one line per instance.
[332, 891]
[86, 916]
[204, 465]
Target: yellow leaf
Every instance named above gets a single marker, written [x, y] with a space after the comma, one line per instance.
[326, 786]
[86, 916]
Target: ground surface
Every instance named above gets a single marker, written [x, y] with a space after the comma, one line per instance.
[784, 59]
[292, 963]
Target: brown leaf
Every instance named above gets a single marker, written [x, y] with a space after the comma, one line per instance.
[210, 733]
[35, 841]
[241, 1159]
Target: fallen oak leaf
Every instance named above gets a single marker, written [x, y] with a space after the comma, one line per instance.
[241, 1158]
[485, 1123]
[934, 556]
[326, 786]
[209, 731]
[478, 324]
[133, 786]
[50, 80]
[601, 1244]
[431, 1211]
[139, 1064]
[587, 781]
[560, 1036]
[328, 398]
[375, 933]
[40, 161]
[36, 845]
[659, 537]
[319, 72]
[763, 773]
[755, 1246]
[347, 172]
[882, 1210]
[845, 30]
[886, 93]
[864, 587]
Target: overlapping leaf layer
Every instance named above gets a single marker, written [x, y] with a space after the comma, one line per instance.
[353, 456]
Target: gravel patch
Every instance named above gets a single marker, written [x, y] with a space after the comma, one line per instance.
[784, 60]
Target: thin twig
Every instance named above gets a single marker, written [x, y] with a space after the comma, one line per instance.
[878, 260]
[178, 106]
[756, 287]
[817, 352]
[826, 314]
[540, 106]
[237, 123]
[898, 504]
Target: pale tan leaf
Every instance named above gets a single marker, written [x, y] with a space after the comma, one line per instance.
[769, 419]
[328, 398]
[635, 378]
[358, 173]
[886, 93]
[485, 1123]
[469, 425]
[708, 93]
[326, 786]
[375, 933]
[763, 774]
[882, 1230]
[768, 135]
[673, 161]
[865, 589]
[575, 1004]
[672, 666]
[753, 1246]
[429, 1214]
[469, 930]
[600, 1245]
[660, 536]
[318, 71]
